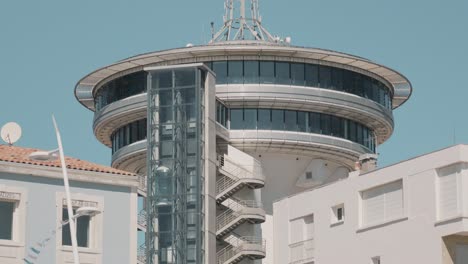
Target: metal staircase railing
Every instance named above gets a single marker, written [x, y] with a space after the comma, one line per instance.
[142, 185]
[237, 212]
[233, 178]
[245, 247]
[141, 254]
[236, 176]
[142, 219]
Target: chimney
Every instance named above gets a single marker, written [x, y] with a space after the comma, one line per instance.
[368, 162]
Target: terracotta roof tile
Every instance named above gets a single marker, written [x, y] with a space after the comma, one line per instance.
[21, 155]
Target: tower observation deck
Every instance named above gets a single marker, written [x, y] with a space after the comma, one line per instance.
[220, 131]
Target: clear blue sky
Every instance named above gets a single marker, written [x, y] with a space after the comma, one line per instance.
[47, 46]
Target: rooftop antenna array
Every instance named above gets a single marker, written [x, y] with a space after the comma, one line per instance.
[239, 24]
[10, 133]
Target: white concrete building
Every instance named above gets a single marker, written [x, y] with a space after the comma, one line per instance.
[33, 207]
[218, 132]
[415, 211]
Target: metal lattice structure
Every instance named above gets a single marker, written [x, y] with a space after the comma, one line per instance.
[240, 24]
[175, 197]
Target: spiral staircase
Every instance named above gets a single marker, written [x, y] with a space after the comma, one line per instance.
[234, 212]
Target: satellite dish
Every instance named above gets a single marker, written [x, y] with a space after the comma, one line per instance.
[11, 132]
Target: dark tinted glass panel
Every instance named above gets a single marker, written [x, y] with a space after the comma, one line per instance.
[250, 118]
[297, 74]
[82, 230]
[6, 220]
[264, 119]
[375, 91]
[251, 71]
[302, 121]
[348, 82]
[367, 87]
[235, 72]
[290, 120]
[311, 75]
[220, 68]
[337, 79]
[325, 76]
[314, 122]
[267, 72]
[128, 134]
[359, 85]
[164, 79]
[120, 88]
[283, 73]
[325, 124]
[184, 77]
[336, 126]
[277, 118]
[359, 134]
[352, 131]
[237, 119]
[165, 97]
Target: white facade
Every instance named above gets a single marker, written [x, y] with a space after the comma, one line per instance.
[415, 211]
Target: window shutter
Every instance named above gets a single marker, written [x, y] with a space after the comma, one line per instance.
[393, 200]
[373, 206]
[382, 203]
[448, 194]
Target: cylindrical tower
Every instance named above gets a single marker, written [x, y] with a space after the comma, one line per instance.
[304, 115]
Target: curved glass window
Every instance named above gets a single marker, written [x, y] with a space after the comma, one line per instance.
[301, 74]
[120, 88]
[300, 121]
[128, 134]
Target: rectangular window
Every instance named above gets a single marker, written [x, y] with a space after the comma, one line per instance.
[237, 119]
[359, 133]
[325, 124]
[283, 73]
[264, 119]
[7, 210]
[277, 118]
[325, 76]
[337, 79]
[82, 229]
[337, 214]
[336, 126]
[220, 68]
[302, 121]
[250, 118]
[447, 192]
[235, 72]
[251, 72]
[311, 75]
[314, 123]
[297, 74]
[348, 81]
[383, 203]
[290, 120]
[267, 72]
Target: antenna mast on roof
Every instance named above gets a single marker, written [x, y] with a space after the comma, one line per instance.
[242, 25]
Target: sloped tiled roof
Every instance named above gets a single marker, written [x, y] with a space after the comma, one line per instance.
[16, 154]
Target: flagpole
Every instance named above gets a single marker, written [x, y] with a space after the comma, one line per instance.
[72, 225]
